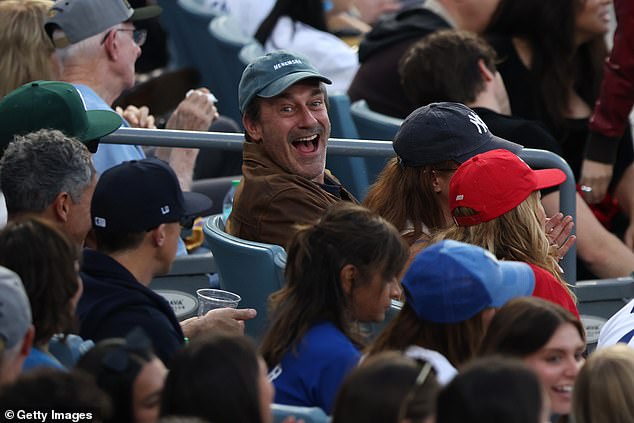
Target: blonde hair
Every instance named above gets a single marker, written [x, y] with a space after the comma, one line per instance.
[26, 49]
[604, 390]
[516, 235]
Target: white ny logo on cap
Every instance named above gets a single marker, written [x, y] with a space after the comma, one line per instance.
[477, 121]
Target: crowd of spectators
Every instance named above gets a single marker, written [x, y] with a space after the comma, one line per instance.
[436, 298]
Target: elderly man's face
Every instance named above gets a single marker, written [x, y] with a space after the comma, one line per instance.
[294, 128]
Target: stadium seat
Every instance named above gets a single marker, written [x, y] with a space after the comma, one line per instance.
[252, 270]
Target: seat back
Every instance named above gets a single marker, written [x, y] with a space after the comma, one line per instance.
[308, 414]
[192, 45]
[372, 125]
[251, 269]
[599, 300]
[351, 171]
[186, 24]
[230, 40]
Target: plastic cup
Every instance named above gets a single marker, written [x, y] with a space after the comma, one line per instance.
[209, 299]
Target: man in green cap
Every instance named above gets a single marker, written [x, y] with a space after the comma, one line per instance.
[53, 105]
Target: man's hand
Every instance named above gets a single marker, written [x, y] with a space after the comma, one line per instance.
[137, 117]
[195, 113]
[558, 229]
[229, 320]
[594, 180]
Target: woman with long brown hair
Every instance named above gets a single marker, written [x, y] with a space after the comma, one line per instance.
[341, 270]
[552, 55]
[412, 191]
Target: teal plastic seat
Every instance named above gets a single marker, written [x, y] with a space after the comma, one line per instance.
[186, 24]
[351, 171]
[253, 270]
[230, 39]
[368, 125]
[372, 125]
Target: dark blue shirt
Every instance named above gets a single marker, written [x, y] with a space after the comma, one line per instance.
[114, 302]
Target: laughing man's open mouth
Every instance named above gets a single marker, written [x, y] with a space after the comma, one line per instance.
[307, 145]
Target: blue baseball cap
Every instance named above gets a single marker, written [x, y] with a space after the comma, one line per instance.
[450, 282]
[139, 195]
[269, 75]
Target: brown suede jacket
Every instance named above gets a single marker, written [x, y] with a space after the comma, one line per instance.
[270, 202]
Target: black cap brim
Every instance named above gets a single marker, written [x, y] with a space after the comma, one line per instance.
[196, 205]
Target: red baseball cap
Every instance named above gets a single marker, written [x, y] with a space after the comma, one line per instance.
[494, 183]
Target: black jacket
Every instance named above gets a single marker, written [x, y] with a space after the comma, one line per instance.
[114, 302]
[377, 81]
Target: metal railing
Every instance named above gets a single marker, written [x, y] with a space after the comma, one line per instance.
[347, 147]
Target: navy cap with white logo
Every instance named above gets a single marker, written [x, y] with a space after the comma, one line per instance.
[446, 131]
[139, 195]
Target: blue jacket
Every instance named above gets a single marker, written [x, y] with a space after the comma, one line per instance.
[310, 374]
[114, 302]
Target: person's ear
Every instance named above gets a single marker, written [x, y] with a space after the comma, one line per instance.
[27, 342]
[347, 275]
[485, 72]
[252, 128]
[111, 45]
[61, 206]
[159, 235]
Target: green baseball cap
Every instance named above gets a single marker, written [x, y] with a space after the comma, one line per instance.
[269, 75]
[55, 105]
[81, 19]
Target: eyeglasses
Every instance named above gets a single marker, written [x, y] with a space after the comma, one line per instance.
[138, 35]
[420, 380]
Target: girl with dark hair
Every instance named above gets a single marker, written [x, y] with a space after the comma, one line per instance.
[339, 271]
[221, 379]
[129, 372]
[545, 336]
[552, 54]
[300, 26]
[493, 390]
[387, 388]
[48, 264]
